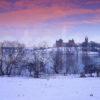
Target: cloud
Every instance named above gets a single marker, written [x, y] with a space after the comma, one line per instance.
[13, 5]
[38, 15]
[93, 2]
[45, 18]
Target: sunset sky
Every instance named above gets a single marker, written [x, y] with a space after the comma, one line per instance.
[34, 21]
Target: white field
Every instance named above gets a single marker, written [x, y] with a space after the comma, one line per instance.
[59, 88]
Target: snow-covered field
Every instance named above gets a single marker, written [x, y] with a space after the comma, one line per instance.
[59, 88]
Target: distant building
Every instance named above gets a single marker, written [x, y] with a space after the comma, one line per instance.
[86, 45]
[71, 43]
[90, 46]
[60, 43]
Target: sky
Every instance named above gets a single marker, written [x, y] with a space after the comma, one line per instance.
[35, 21]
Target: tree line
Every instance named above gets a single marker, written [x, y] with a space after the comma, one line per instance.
[17, 60]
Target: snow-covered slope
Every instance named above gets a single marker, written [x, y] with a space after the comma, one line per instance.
[61, 88]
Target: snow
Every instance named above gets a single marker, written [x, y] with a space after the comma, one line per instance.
[61, 88]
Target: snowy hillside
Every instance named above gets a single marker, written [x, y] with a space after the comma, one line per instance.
[60, 88]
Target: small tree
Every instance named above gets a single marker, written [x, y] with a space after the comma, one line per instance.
[37, 65]
[71, 60]
[57, 56]
[11, 56]
[87, 62]
[1, 59]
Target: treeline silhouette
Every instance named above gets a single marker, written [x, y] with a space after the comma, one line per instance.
[18, 60]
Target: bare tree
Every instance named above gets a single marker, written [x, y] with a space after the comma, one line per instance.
[71, 60]
[19, 59]
[37, 66]
[10, 57]
[57, 56]
[1, 59]
[87, 62]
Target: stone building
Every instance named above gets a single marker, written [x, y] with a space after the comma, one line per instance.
[70, 43]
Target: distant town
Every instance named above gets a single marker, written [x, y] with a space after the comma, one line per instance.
[62, 58]
[87, 45]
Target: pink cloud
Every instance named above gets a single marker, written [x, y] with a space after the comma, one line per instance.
[4, 4]
[93, 2]
[41, 15]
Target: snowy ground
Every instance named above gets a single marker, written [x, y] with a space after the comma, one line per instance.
[61, 88]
